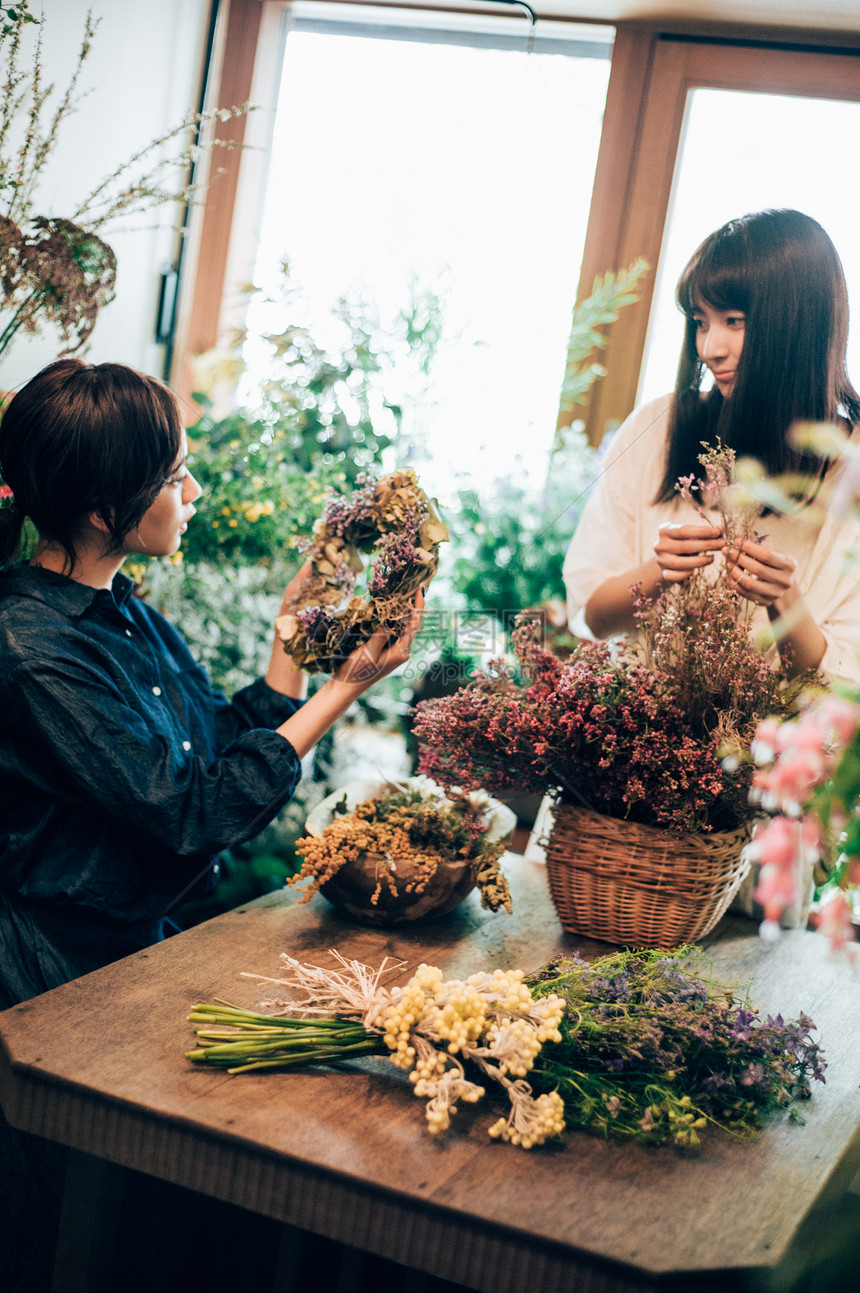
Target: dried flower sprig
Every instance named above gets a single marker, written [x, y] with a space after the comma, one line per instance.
[55, 272]
[431, 1028]
[394, 522]
[653, 1049]
[57, 269]
[411, 832]
[717, 488]
[645, 1045]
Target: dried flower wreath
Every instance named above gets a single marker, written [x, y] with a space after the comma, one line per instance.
[394, 521]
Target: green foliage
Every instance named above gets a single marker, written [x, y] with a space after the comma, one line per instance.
[14, 15]
[510, 545]
[339, 401]
[258, 501]
[608, 297]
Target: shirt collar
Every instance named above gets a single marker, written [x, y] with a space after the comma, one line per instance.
[59, 592]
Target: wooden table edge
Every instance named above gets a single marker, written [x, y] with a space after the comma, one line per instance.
[420, 1233]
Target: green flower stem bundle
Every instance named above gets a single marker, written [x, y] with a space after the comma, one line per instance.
[638, 1046]
[393, 521]
[241, 1041]
[430, 1028]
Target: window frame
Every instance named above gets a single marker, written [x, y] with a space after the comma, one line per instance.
[246, 66]
[652, 74]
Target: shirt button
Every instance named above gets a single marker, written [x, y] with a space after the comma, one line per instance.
[156, 691]
[128, 633]
[186, 745]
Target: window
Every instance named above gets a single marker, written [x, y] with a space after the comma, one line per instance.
[453, 153]
[787, 111]
[743, 152]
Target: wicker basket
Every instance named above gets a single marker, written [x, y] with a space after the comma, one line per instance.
[639, 886]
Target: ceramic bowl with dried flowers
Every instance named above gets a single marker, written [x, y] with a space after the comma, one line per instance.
[390, 853]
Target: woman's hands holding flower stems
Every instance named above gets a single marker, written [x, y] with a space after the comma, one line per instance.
[681, 549]
[765, 577]
[759, 572]
[678, 551]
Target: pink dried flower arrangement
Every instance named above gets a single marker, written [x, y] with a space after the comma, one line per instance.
[599, 731]
[640, 733]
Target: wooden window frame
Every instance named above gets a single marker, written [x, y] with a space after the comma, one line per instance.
[652, 74]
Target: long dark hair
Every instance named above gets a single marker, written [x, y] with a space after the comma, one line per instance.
[80, 439]
[782, 271]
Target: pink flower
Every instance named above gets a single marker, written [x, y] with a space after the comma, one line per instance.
[777, 842]
[786, 849]
[763, 747]
[789, 783]
[840, 715]
[835, 923]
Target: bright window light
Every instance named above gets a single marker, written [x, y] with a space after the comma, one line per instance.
[441, 151]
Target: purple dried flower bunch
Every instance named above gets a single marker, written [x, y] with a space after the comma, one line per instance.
[641, 733]
[654, 1050]
[395, 524]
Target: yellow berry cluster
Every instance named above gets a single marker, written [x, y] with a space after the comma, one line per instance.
[427, 1072]
[346, 838]
[405, 1014]
[489, 1018]
[533, 1123]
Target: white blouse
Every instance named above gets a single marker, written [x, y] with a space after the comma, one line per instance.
[620, 523]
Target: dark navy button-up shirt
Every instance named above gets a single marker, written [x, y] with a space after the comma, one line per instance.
[122, 773]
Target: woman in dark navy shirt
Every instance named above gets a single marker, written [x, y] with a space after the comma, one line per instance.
[122, 775]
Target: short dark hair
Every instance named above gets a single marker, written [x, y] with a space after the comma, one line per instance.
[85, 438]
[781, 270]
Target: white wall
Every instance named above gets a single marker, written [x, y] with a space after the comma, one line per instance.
[142, 77]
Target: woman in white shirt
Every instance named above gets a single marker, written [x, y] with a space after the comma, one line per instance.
[767, 316]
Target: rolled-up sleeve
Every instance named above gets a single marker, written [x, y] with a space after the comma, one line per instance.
[257, 705]
[831, 586]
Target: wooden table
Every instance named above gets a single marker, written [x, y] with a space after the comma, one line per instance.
[98, 1065]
